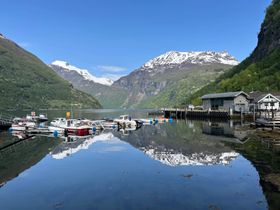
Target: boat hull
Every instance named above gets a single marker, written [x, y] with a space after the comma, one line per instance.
[78, 131]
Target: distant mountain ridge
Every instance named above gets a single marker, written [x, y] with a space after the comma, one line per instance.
[83, 72]
[101, 88]
[177, 58]
[155, 83]
[27, 83]
[171, 77]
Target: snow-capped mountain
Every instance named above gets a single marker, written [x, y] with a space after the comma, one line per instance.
[175, 58]
[150, 85]
[83, 72]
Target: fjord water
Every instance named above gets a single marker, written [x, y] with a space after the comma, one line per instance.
[179, 165]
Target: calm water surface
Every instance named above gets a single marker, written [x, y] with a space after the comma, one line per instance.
[178, 165]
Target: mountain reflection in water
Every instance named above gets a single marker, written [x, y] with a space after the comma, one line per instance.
[142, 169]
[181, 144]
[72, 145]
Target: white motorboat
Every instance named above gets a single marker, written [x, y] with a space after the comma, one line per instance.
[58, 122]
[72, 126]
[22, 124]
[40, 118]
[125, 121]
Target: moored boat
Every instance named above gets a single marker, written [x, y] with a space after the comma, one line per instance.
[126, 121]
[22, 124]
[40, 118]
[72, 126]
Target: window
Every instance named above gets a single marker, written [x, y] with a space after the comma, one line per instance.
[216, 103]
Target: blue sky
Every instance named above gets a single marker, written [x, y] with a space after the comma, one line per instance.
[117, 36]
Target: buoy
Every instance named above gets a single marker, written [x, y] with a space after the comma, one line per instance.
[151, 122]
[156, 121]
[94, 129]
[55, 133]
[171, 120]
[114, 127]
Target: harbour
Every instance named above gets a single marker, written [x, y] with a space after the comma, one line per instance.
[262, 109]
[186, 155]
[114, 105]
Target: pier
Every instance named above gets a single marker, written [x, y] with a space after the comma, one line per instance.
[5, 122]
[185, 113]
[203, 114]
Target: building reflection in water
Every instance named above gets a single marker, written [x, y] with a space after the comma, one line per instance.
[229, 129]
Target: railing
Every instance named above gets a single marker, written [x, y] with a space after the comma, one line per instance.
[5, 120]
[184, 113]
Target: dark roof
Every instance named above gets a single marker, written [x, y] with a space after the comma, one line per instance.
[224, 95]
[257, 95]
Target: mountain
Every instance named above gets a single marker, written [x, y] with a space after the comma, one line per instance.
[66, 67]
[163, 81]
[170, 78]
[183, 144]
[65, 149]
[27, 83]
[172, 158]
[179, 58]
[100, 88]
[260, 71]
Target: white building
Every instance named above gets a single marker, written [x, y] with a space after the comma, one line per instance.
[264, 101]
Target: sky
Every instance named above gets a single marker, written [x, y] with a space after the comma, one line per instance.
[114, 37]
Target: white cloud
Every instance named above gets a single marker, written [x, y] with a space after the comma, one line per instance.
[111, 69]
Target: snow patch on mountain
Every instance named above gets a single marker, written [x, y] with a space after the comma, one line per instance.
[179, 159]
[2, 36]
[208, 57]
[83, 72]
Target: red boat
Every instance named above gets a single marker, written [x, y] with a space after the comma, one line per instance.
[72, 126]
[78, 131]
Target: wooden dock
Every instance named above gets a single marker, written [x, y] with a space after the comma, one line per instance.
[201, 114]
